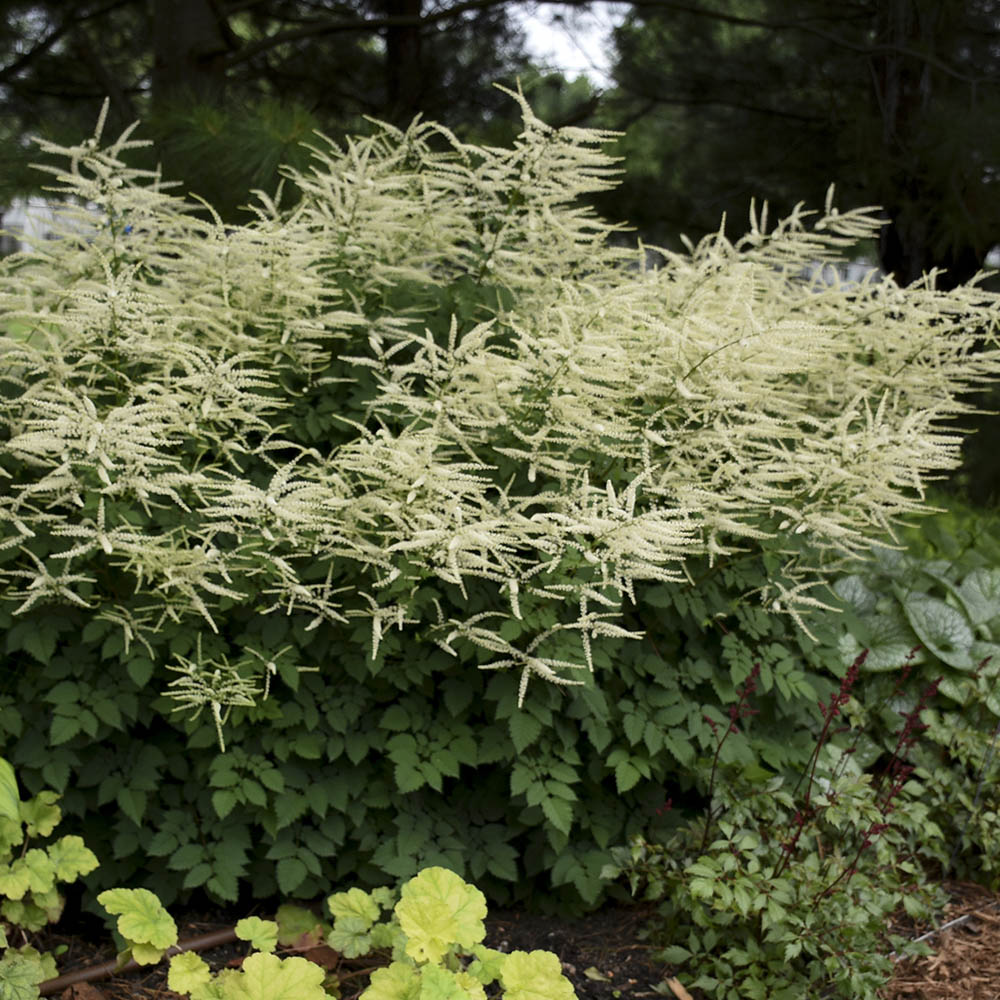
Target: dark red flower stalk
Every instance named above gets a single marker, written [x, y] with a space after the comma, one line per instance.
[830, 712]
[899, 772]
[741, 710]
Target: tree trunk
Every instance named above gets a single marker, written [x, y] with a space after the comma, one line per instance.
[404, 70]
[915, 241]
[189, 44]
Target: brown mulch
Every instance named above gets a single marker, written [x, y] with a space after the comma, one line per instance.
[602, 953]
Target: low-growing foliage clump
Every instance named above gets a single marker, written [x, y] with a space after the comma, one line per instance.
[940, 599]
[29, 876]
[433, 936]
[784, 891]
[295, 513]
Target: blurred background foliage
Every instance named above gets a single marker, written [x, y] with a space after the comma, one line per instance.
[719, 101]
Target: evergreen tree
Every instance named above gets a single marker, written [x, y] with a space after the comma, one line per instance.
[229, 90]
[889, 98]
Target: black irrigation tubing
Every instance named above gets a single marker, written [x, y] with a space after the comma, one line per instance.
[201, 943]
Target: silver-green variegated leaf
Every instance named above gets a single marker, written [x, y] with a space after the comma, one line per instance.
[855, 592]
[890, 643]
[943, 630]
[979, 593]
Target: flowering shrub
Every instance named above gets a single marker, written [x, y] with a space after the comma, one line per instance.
[297, 514]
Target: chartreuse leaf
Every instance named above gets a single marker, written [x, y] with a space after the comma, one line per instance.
[41, 815]
[19, 977]
[437, 910]
[395, 982]
[437, 983]
[71, 858]
[267, 977]
[262, 934]
[189, 973]
[486, 967]
[143, 922]
[354, 913]
[535, 975]
[9, 798]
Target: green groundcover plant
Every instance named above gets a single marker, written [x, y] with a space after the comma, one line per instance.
[434, 934]
[29, 898]
[295, 514]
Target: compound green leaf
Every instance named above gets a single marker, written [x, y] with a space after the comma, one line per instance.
[132, 804]
[63, 728]
[408, 778]
[438, 909]
[558, 812]
[395, 718]
[535, 975]
[140, 669]
[262, 934]
[626, 775]
[291, 874]
[524, 730]
[223, 802]
[142, 918]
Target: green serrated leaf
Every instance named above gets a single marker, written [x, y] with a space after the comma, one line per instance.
[291, 874]
[559, 813]
[395, 718]
[223, 802]
[63, 728]
[140, 669]
[626, 776]
[524, 730]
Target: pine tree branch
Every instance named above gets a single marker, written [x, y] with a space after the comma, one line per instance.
[7, 73]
